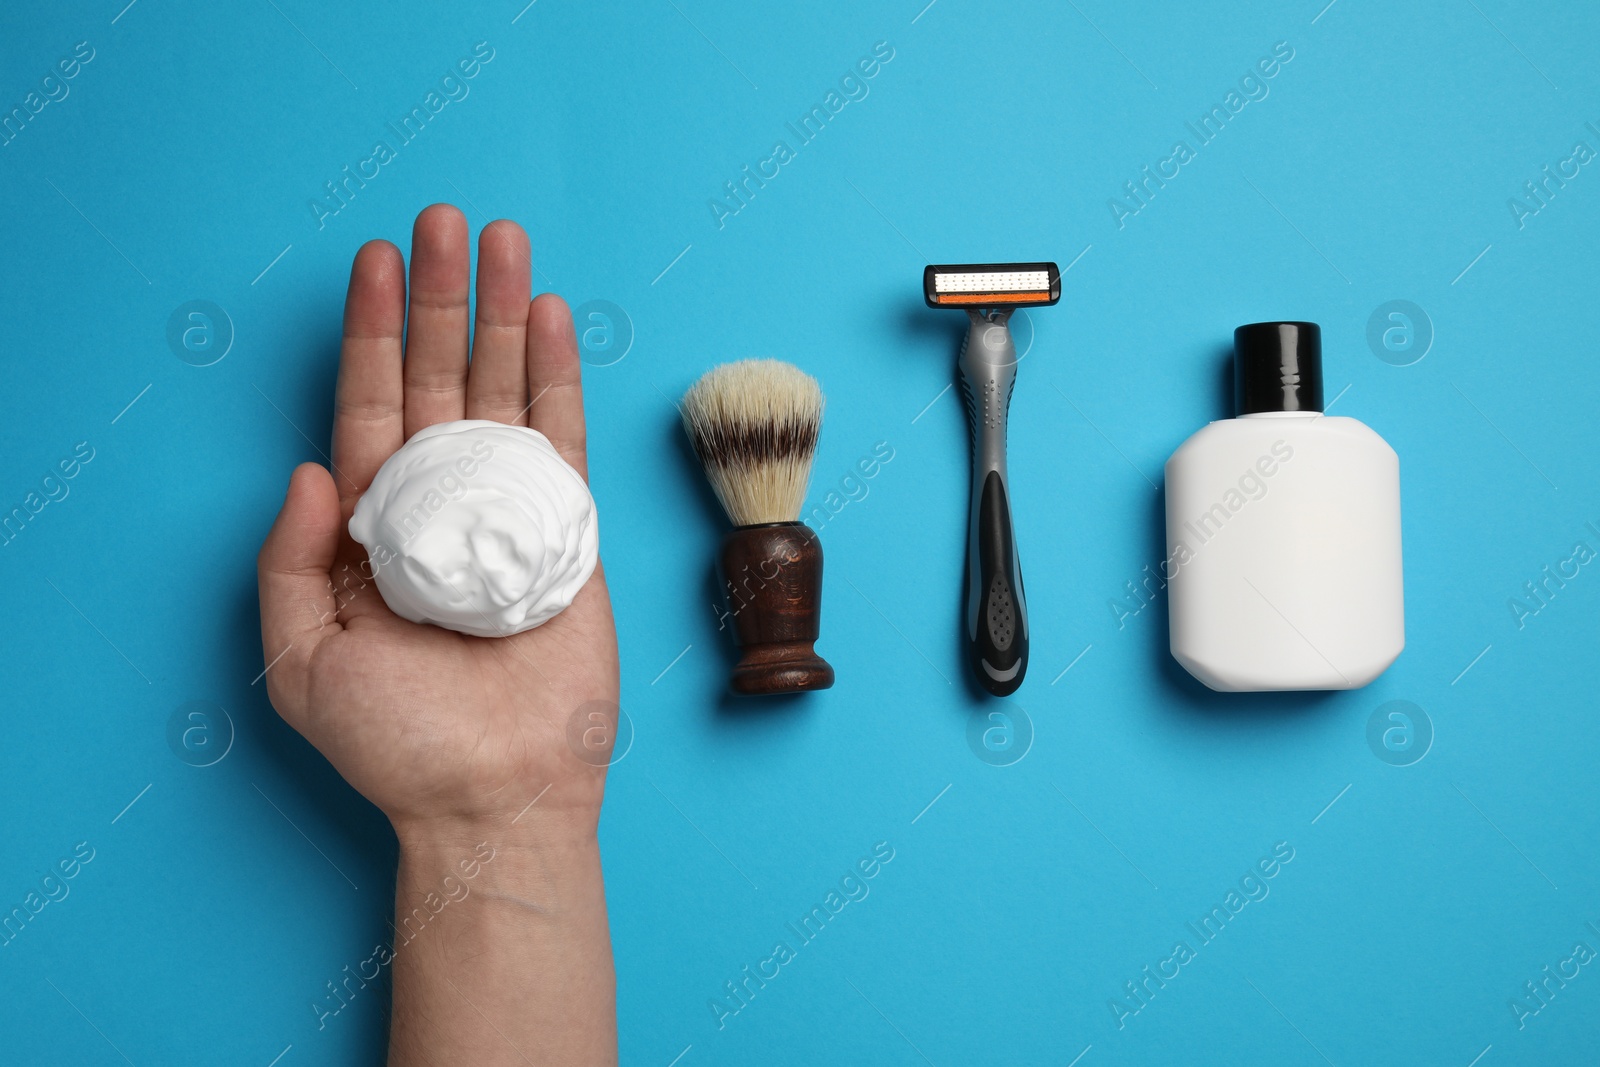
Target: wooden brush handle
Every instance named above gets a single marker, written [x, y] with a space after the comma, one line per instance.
[772, 579]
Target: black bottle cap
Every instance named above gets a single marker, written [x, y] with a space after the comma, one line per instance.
[1277, 366]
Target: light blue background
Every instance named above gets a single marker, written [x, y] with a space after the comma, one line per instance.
[1378, 167]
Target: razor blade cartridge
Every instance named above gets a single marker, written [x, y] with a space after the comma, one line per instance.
[991, 285]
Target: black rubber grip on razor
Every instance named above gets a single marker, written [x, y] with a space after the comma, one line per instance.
[998, 630]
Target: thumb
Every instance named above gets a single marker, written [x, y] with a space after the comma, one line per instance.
[298, 606]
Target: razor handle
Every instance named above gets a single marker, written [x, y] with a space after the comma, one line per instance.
[997, 616]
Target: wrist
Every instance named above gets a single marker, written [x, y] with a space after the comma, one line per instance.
[532, 809]
[486, 876]
[530, 831]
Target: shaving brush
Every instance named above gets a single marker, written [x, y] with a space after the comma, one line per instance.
[754, 426]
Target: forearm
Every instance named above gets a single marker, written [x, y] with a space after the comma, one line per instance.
[501, 950]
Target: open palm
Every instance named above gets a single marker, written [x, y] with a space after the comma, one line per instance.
[427, 723]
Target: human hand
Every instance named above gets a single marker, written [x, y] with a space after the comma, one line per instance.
[438, 729]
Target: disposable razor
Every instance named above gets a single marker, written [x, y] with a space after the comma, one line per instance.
[997, 614]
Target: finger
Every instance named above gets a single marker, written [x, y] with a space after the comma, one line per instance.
[555, 384]
[497, 384]
[298, 604]
[437, 323]
[367, 407]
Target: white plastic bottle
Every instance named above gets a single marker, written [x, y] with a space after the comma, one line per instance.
[1283, 532]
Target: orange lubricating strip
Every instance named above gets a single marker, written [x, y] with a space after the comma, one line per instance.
[988, 298]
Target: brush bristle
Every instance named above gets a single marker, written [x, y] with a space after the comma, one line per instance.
[754, 426]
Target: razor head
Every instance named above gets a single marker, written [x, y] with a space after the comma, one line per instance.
[991, 285]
